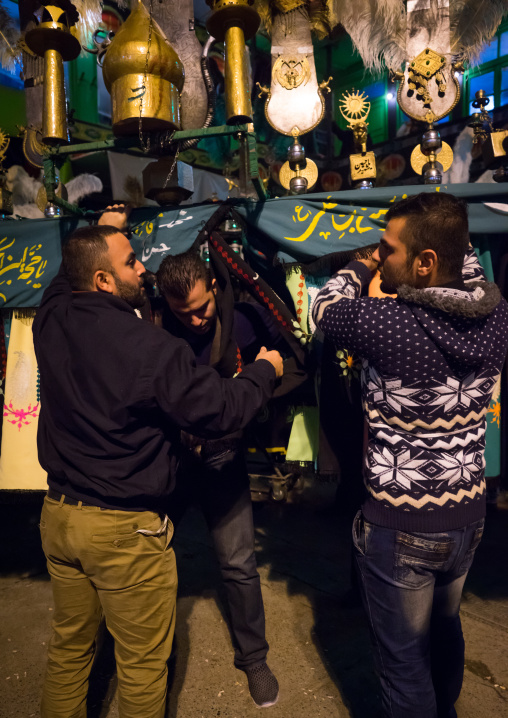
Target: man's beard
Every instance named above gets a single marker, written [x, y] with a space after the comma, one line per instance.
[390, 284]
[134, 296]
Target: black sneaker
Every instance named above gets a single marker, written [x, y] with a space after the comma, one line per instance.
[263, 686]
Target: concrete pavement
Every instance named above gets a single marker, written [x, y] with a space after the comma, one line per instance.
[320, 648]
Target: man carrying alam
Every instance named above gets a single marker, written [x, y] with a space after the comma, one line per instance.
[431, 359]
[115, 393]
[213, 473]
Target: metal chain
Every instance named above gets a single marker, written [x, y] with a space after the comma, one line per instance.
[145, 147]
[170, 174]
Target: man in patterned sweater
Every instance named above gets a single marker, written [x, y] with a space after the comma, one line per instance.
[431, 359]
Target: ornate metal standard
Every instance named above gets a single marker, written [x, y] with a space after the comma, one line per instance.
[294, 103]
[235, 21]
[355, 108]
[494, 142]
[144, 76]
[52, 39]
[428, 87]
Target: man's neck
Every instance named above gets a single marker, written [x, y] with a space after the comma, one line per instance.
[449, 283]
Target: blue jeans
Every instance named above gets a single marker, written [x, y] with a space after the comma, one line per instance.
[219, 485]
[411, 588]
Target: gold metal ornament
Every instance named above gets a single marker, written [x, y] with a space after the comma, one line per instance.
[144, 76]
[4, 145]
[291, 71]
[495, 148]
[427, 65]
[42, 198]
[354, 108]
[295, 99]
[444, 156]
[310, 172]
[234, 22]
[52, 39]
[362, 166]
[34, 148]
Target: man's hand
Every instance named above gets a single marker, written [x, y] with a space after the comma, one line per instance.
[370, 263]
[116, 216]
[274, 358]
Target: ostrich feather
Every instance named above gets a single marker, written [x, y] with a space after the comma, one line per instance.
[24, 190]
[23, 187]
[473, 23]
[9, 36]
[462, 158]
[81, 186]
[90, 15]
[376, 27]
[317, 12]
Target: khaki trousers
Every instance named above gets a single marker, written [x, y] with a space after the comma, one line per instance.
[100, 565]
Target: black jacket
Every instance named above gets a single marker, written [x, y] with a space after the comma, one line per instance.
[115, 393]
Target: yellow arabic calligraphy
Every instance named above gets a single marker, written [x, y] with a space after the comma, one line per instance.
[344, 225]
[30, 266]
[312, 226]
[298, 211]
[353, 222]
[148, 228]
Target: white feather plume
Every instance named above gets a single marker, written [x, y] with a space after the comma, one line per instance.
[9, 36]
[90, 15]
[462, 158]
[378, 27]
[473, 23]
[81, 186]
[24, 190]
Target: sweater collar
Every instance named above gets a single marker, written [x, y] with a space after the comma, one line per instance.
[476, 300]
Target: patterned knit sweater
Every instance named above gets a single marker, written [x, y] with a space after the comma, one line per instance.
[431, 359]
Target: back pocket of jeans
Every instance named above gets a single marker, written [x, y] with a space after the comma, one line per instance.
[416, 558]
[469, 556]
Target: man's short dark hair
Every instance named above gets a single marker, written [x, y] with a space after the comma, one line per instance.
[438, 221]
[178, 274]
[86, 252]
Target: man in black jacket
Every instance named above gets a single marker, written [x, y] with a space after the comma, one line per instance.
[214, 472]
[115, 394]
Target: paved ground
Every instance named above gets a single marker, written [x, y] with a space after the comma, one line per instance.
[319, 647]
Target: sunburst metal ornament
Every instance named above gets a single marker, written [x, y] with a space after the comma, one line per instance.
[4, 144]
[354, 107]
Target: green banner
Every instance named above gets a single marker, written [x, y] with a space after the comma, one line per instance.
[301, 227]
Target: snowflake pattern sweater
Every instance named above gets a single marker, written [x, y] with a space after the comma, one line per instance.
[431, 359]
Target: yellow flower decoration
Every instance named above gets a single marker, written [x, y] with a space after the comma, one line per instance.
[350, 367]
[495, 410]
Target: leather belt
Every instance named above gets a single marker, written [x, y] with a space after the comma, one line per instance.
[57, 496]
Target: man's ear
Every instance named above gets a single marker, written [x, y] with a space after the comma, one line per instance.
[214, 286]
[427, 263]
[103, 281]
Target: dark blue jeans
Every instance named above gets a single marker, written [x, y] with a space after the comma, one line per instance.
[219, 484]
[412, 585]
